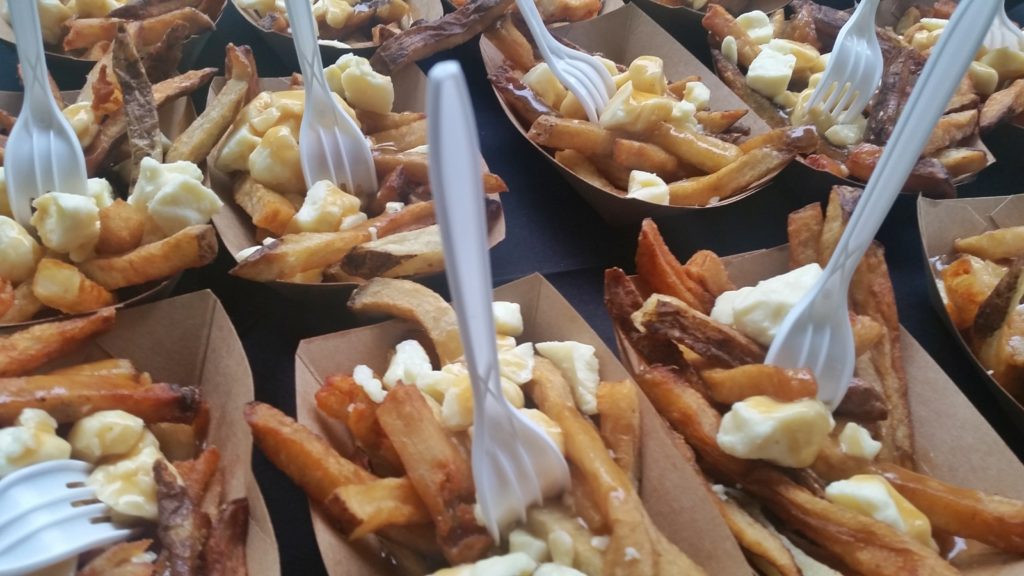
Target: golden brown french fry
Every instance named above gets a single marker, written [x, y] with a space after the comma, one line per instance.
[866, 332]
[191, 247]
[417, 169]
[413, 253]
[121, 228]
[583, 136]
[6, 296]
[1002, 106]
[733, 179]
[968, 282]
[581, 502]
[803, 139]
[618, 405]
[268, 209]
[643, 156]
[803, 229]
[999, 244]
[83, 33]
[703, 152]
[70, 398]
[114, 559]
[438, 470]
[224, 553]
[416, 303]
[727, 386]
[660, 270]
[367, 508]
[507, 38]
[62, 286]
[402, 138]
[182, 528]
[962, 161]
[718, 121]
[756, 539]
[24, 307]
[32, 347]
[581, 166]
[678, 88]
[951, 129]
[707, 268]
[151, 31]
[197, 472]
[373, 122]
[111, 367]
[342, 399]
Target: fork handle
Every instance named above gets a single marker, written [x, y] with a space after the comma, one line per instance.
[307, 49]
[455, 177]
[941, 75]
[31, 56]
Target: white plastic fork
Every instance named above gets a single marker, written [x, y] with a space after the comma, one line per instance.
[331, 145]
[515, 464]
[854, 68]
[43, 153]
[816, 333]
[1004, 33]
[48, 515]
[582, 74]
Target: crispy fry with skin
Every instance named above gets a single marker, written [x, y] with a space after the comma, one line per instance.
[622, 299]
[730, 180]
[757, 539]
[734, 78]
[224, 554]
[718, 121]
[866, 333]
[402, 138]
[803, 229]
[367, 508]
[115, 558]
[268, 209]
[405, 254]
[373, 122]
[583, 136]
[951, 129]
[862, 403]
[581, 502]
[197, 473]
[24, 306]
[706, 153]
[707, 268]
[929, 176]
[720, 24]
[962, 161]
[659, 269]
[417, 168]
[191, 247]
[643, 156]
[62, 286]
[801, 139]
[83, 33]
[507, 38]
[342, 399]
[121, 228]
[999, 244]
[32, 347]
[416, 303]
[736, 384]
[581, 166]
[438, 470]
[183, 528]
[112, 367]
[1002, 106]
[143, 124]
[618, 405]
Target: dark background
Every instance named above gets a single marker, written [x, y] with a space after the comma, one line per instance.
[553, 232]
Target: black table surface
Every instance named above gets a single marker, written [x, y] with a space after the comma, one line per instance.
[552, 231]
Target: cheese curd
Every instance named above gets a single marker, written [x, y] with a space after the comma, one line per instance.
[408, 363]
[101, 192]
[684, 116]
[856, 441]
[647, 73]
[757, 25]
[52, 16]
[83, 121]
[984, 78]
[457, 407]
[631, 110]
[276, 163]
[520, 540]
[698, 94]
[19, 252]
[730, 50]
[647, 186]
[579, 365]
[513, 564]
[67, 223]
[508, 318]
[873, 496]
[324, 209]
[95, 8]
[104, 434]
[758, 311]
[173, 195]
[363, 376]
[541, 80]
[334, 12]
[360, 85]
[31, 440]
[1007, 62]
[770, 72]
[127, 485]
[551, 569]
[789, 434]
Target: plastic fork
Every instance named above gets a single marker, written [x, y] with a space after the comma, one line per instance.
[515, 464]
[48, 515]
[331, 146]
[854, 69]
[1004, 33]
[816, 333]
[580, 73]
[43, 153]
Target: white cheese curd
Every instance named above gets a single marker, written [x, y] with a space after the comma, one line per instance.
[67, 223]
[363, 376]
[984, 77]
[31, 440]
[408, 363]
[541, 80]
[770, 72]
[334, 12]
[19, 252]
[83, 121]
[647, 73]
[757, 25]
[647, 186]
[104, 434]
[324, 209]
[352, 78]
[684, 116]
[635, 111]
[275, 162]
[855, 440]
[520, 540]
[563, 551]
[789, 434]
[578, 364]
[873, 496]
[759, 311]
[127, 485]
[730, 50]
[698, 94]
[508, 318]
[516, 365]
[174, 195]
[551, 569]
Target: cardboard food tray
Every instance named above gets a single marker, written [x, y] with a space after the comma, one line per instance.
[952, 441]
[942, 222]
[189, 340]
[61, 62]
[673, 494]
[621, 36]
[284, 47]
[235, 226]
[174, 119]
[684, 22]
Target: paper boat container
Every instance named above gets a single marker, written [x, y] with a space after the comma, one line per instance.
[684, 24]
[674, 495]
[952, 441]
[621, 36]
[189, 340]
[236, 228]
[941, 223]
[59, 62]
[174, 119]
[361, 44]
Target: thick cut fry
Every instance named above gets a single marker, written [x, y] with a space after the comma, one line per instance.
[224, 554]
[585, 137]
[364, 509]
[114, 559]
[643, 156]
[581, 502]
[151, 31]
[62, 286]
[183, 528]
[758, 540]
[373, 122]
[507, 38]
[718, 121]
[962, 161]
[191, 247]
[418, 169]
[112, 367]
[542, 521]
[438, 470]
[268, 209]
[416, 303]
[197, 473]
[731, 180]
[866, 333]
[414, 253]
[951, 129]
[721, 24]
[803, 139]
[301, 454]
[622, 299]
[121, 228]
[929, 176]
[341, 398]
[659, 269]
[804, 231]
[1000, 244]
[581, 166]
[1002, 106]
[706, 153]
[968, 282]
[618, 405]
[143, 124]
[736, 384]
[6, 296]
[70, 398]
[83, 33]
[32, 347]
[402, 138]
[24, 306]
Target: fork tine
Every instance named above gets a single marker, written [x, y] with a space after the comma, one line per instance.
[843, 101]
[855, 109]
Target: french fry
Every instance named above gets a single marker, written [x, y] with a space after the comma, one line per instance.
[122, 226]
[718, 121]
[581, 166]
[736, 384]
[224, 553]
[1002, 106]
[83, 33]
[24, 307]
[112, 367]
[113, 560]
[402, 138]
[139, 110]
[197, 473]
[866, 333]
[367, 508]
[929, 176]
[706, 153]
[268, 209]
[951, 129]
[32, 347]
[758, 540]
[583, 136]
[658, 267]
[622, 299]
[734, 78]
[734, 178]
[581, 502]
[342, 399]
[191, 247]
[416, 303]
[150, 31]
[182, 528]
[643, 156]
[405, 254]
[542, 521]
[418, 170]
[62, 286]
[373, 122]
[438, 471]
[720, 24]
[863, 402]
[962, 161]
[507, 38]
[71, 398]
[804, 228]
[999, 244]
[801, 139]
[619, 410]
[968, 282]
[6, 297]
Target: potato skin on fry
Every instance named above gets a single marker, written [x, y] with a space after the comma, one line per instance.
[191, 247]
[28, 349]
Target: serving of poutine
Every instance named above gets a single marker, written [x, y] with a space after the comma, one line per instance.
[162, 456]
[870, 489]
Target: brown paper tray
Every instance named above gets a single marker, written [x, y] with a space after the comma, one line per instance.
[675, 497]
[236, 228]
[189, 340]
[174, 118]
[952, 441]
[621, 36]
[283, 46]
[943, 221]
[61, 61]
